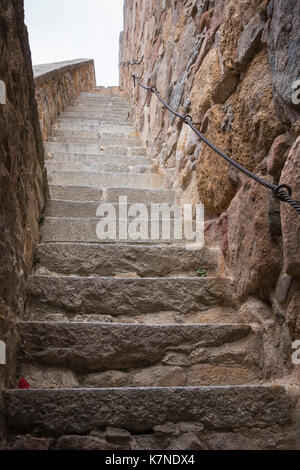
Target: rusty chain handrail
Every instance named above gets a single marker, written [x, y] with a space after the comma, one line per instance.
[132, 62]
[282, 192]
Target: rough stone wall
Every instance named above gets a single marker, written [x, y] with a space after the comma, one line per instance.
[22, 178]
[231, 65]
[58, 85]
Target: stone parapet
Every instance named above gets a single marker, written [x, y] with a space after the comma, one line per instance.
[58, 85]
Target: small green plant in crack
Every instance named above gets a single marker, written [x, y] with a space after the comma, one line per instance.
[36, 258]
[41, 218]
[201, 273]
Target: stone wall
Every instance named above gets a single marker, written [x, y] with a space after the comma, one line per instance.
[22, 178]
[32, 99]
[58, 85]
[231, 65]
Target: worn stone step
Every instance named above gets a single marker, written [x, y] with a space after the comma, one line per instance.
[109, 160]
[105, 108]
[117, 296]
[111, 98]
[75, 193]
[65, 135]
[94, 148]
[97, 165]
[100, 110]
[144, 354]
[138, 410]
[103, 122]
[105, 180]
[94, 126]
[112, 195]
[218, 314]
[91, 106]
[87, 140]
[95, 116]
[84, 209]
[139, 195]
[95, 97]
[78, 229]
[102, 97]
[144, 261]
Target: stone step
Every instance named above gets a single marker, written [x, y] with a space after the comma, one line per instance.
[102, 122]
[64, 139]
[213, 315]
[106, 108]
[95, 116]
[97, 166]
[104, 137]
[90, 230]
[143, 355]
[99, 112]
[140, 196]
[112, 195]
[105, 180]
[117, 296]
[93, 148]
[144, 261]
[94, 126]
[108, 160]
[258, 416]
[84, 209]
[112, 98]
[75, 193]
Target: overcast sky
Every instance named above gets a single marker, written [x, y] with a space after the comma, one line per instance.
[76, 29]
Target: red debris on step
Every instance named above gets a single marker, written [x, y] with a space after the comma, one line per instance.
[23, 384]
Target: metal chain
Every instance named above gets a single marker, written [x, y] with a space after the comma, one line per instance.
[282, 192]
[132, 62]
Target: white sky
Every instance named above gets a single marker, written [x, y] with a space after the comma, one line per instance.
[77, 29]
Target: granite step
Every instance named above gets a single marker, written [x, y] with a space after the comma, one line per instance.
[95, 126]
[99, 112]
[95, 116]
[106, 108]
[140, 355]
[267, 410]
[104, 137]
[117, 296]
[93, 230]
[84, 209]
[93, 148]
[105, 180]
[98, 166]
[92, 121]
[111, 195]
[109, 160]
[145, 261]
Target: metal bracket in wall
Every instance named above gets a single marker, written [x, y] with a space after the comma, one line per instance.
[2, 92]
[2, 353]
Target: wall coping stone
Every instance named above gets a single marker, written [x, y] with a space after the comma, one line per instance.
[45, 72]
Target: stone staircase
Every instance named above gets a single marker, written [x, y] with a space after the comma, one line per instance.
[123, 345]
